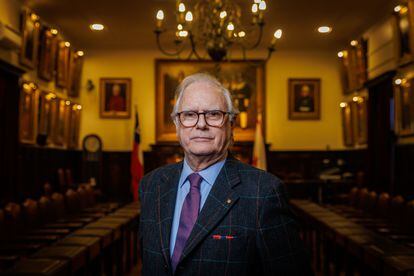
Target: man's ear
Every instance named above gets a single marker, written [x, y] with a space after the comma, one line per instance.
[233, 122]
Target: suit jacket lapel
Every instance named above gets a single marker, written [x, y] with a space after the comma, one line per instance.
[166, 196]
[219, 201]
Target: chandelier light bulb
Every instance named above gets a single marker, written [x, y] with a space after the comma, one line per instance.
[67, 44]
[188, 16]
[255, 8]
[257, 1]
[54, 31]
[341, 54]
[398, 81]
[278, 34]
[354, 43]
[242, 34]
[179, 27]
[262, 5]
[223, 14]
[183, 33]
[230, 27]
[80, 53]
[181, 7]
[397, 8]
[343, 104]
[160, 15]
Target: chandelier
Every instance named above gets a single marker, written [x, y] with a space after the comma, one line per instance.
[214, 30]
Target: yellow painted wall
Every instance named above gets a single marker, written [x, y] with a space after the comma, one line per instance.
[283, 134]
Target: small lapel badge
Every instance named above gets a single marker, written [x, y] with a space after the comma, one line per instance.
[228, 201]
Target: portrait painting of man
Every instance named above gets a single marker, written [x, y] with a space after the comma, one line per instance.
[304, 99]
[243, 79]
[115, 98]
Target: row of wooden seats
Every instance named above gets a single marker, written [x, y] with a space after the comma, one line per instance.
[389, 216]
[73, 229]
[340, 244]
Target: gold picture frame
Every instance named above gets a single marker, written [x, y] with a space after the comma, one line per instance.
[361, 120]
[404, 22]
[404, 107]
[74, 125]
[75, 74]
[45, 117]
[244, 80]
[304, 99]
[62, 64]
[47, 59]
[28, 113]
[60, 123]
[115, 98]
[30, 39]
[347, 124]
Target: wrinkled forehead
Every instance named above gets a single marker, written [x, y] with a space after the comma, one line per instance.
[203, 94]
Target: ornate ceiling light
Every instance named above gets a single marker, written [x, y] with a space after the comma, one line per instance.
[214, 29]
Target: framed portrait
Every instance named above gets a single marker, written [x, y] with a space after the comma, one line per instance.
[74, 125]
[304, 99]
[30, 38]
[404, 107]
[75, 73]
[115, 98]
[354, 67]
[361, 120]
[28, 113]
[61, 122]
[45, 117]
[404, 29]
[244, 80]
[48, 48]
[62, 64]
[347, 124]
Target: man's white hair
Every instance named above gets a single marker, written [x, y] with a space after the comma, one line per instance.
[207, 78]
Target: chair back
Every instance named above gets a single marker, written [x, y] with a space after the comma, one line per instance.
[383, 206]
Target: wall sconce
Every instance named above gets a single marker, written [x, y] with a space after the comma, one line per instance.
[89, 85]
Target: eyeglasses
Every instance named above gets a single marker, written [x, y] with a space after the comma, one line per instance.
[213, 118]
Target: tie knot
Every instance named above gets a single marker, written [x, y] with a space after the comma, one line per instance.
[195, 180]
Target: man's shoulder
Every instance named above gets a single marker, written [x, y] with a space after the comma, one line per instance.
[254, 176]
[164, 170]
[157, 174]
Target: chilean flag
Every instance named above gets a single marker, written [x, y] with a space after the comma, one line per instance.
[137, 162]
[259, 147]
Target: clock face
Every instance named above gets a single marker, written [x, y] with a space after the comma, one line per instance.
[92, 144]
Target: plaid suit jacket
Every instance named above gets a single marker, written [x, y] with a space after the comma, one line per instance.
[244, 228]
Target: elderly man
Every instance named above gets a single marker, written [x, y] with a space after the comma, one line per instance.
[211, 214]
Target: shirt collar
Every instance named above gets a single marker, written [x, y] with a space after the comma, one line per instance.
[209, 174]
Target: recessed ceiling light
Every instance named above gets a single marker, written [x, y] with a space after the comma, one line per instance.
[96, 27]
[324, 29]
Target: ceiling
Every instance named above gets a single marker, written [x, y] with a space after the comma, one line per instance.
[130, 23]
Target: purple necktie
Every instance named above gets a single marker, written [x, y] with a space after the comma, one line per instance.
[189, 213]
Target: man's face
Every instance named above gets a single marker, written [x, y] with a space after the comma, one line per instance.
[203, 140]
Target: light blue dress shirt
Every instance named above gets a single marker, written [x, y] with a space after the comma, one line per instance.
[209, 176]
